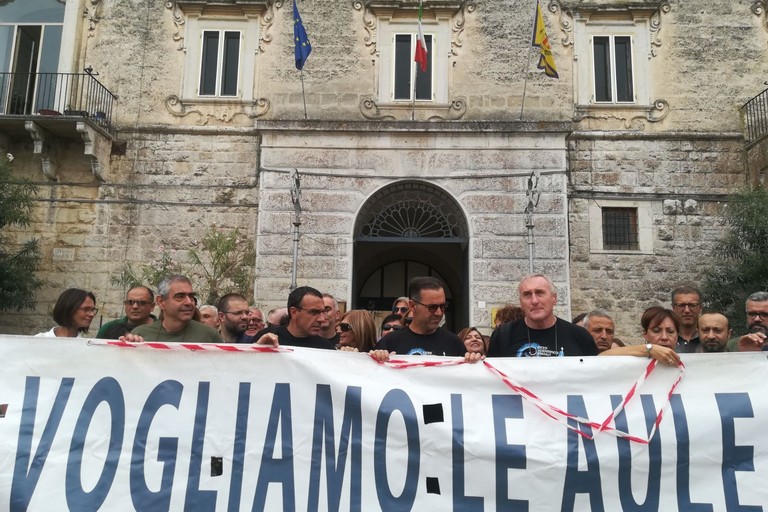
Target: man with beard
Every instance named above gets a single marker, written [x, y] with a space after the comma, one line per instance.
[686, 302]
[602, 328]
[233, 318]
[757, 323]
[714, 332]
[177, 301]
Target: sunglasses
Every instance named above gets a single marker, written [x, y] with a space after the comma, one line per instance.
[400, 310]
[345, 327]
[388, 327]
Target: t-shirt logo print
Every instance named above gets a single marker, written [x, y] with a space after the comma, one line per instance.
[536, 350]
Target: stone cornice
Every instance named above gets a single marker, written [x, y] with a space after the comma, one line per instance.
[553, 127]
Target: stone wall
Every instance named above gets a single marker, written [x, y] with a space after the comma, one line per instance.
[166, 191]
[684, 180]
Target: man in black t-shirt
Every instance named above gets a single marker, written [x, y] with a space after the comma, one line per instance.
[423, 336]
[540, 333]
[307, 316]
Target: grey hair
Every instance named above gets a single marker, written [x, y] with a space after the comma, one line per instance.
[164, 286]
[758, 297]
[596, 313]
[209, 306]
[548, 280]
[335, 302]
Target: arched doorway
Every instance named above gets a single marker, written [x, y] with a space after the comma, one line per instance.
[405, 230]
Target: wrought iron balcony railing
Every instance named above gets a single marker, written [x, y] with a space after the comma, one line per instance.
[53, 94]
[755, 116]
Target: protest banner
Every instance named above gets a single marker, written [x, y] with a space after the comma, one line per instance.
[86, 425]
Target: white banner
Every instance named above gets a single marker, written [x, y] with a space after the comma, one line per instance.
[96, 427]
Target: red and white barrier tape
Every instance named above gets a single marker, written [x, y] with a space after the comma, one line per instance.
[549, 410]
[556, 413]
[224, 347]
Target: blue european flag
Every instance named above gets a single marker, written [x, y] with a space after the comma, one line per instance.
[300, 39]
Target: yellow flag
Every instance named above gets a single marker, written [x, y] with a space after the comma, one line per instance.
[540, 40]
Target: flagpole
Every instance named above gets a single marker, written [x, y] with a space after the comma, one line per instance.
[303, 95]
[528, 63]
[413, 98]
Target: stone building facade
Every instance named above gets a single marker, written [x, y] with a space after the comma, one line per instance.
[643, 128]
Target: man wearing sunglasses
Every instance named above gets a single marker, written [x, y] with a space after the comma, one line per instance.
[307, 316]
[424, 335]
[139, 303]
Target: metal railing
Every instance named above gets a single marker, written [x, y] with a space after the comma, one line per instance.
[755, 115]
[53, 94]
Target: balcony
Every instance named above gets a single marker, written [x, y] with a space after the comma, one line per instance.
[754, 115]
[52, 107]
[55, 94]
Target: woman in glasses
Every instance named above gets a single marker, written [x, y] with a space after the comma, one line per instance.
[73, 313]
[400, 306]
[356, 331]
[473, 340]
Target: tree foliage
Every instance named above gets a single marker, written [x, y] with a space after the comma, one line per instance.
[741, 256]
[18, 282]
[222, 262]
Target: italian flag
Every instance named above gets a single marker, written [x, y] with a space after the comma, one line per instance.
[421, 46]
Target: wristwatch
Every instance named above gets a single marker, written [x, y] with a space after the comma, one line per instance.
[648, 347]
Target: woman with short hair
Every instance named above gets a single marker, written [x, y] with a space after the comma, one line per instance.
[73, 313]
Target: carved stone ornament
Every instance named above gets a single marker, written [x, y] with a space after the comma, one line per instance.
[369, 9]
[632, 117]
[94, 16]
[566, 21]
[225, 113]
[97, 148]
[178, 21]
[407, 111]
[760, 8]
[655, 25]
[566, 8]
[265, 9]
[44, 149]
[267, 20]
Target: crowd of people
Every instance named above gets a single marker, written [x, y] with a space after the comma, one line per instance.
[312, 319]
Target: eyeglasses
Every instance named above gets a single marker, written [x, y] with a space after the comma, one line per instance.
[140, 303]
[89, 311]
[761, 314]
[690, 305]
[345, 327]
[313, 312]
[388, 327]
[400, 310]
[243, 312]
[434, 307]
